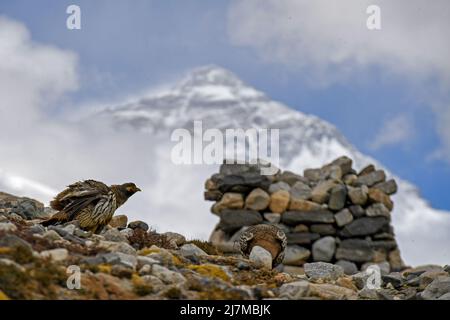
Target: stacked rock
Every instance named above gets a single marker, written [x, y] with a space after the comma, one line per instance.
[331, 214]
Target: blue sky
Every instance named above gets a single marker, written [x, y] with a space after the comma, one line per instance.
[126, 46]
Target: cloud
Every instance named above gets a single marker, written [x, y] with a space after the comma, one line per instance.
[43, 150]
[332, 38]
[32, 75]
[396, 130]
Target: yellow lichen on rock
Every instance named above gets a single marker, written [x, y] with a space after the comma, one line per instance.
[210, 270]
[3, 296]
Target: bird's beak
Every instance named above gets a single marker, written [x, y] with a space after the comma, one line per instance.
[137, 190]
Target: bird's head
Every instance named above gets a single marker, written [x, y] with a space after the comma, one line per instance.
[129, 189]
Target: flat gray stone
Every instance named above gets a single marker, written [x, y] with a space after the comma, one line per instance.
[297, 217]
[323, 270]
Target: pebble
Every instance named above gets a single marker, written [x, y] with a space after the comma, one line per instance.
[190, 249]
[350, 268]
[436, 289]
[176, 238]
[7, 227]
[52, 235]
[294, 290]
[295, 255]
[138, 225]
[59, 254]
[119, 221]
[323, 270]
[166, 275]
[115, 235]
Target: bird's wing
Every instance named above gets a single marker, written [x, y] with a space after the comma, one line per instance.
[79, 195]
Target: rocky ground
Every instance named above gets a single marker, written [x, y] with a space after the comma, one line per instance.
[129, 261]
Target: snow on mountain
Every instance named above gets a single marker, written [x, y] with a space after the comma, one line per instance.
[221, 100]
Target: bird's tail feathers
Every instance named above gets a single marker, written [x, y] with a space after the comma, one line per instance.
[57, 218]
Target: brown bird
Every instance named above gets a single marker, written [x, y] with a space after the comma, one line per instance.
[91, 203]
[267, 236]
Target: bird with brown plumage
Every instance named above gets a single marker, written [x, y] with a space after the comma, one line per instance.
[91, 203]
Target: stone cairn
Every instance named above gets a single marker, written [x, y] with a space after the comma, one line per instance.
[331, 214]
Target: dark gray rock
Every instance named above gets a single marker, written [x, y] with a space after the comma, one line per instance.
[297, 217]
[323, 229]
[244, 182]
[280, 185]
[11, 240]
[323, 249]
[366, 170]
[357, 211]
[138, 225]
[383, 236]
[300, 191]
[93, 261]
[231, 220]
[291, 178]
[237, 169]
[389, 187]
[355, 250]
[358, 196]
[378, 210]
[115, 235]
[436, 289]
[371, 178]
[384, 244]
[37, 228]
[343, 217]
[213, 195]
[302, 238]
[338, 195]
[365, 226]
[349, 267]
[345, 163]
[394, 278]
[29, 209]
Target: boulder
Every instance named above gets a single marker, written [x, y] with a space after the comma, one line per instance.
[338, 195]
[358, 196]
[324, 249]
[295, 255]
[279, 201]
[230, 200]
[365, 226]
[231, 220]
[257, 200]
[343, 217]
